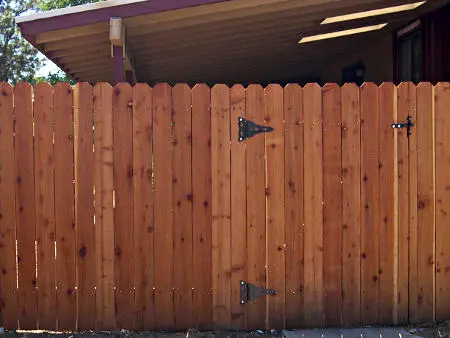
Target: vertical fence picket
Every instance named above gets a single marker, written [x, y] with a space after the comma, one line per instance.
[386, 178]
[8, 288]
[426, 203]
[221, 213]
[412, 181]
[45, 205]
[313, 207]
[293, 218]
[256, 208]
[64, 205]
[123, 211]
[201, 214]
[143, 206]
[163, 215]
[104, 212]
[442, 142]
[332, 190]
[238, 208]
[84, 205]
[274, 117]
[182, 204]
[351, 201]
[369, 204]
[405, 97]
[25, 207]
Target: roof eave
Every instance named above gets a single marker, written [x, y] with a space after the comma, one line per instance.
[38, 23]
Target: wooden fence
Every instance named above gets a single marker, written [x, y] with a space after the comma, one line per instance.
[152, 218]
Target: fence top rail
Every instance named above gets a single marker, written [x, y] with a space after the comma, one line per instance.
[326, 85]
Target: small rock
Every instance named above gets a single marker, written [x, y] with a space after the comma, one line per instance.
[2, 330]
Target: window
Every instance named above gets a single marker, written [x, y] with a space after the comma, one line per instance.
[409, 61]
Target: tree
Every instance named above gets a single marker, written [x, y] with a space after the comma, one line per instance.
[53, 78]
[19, 61]
[46, 5]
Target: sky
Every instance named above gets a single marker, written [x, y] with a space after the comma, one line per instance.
[47, 67]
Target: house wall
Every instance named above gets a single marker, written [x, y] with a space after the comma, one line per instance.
[377, 57]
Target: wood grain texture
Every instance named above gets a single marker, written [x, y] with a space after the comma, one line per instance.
[293, 210]
[369, 204]
[104, 212]
[201, 213]
[238, 208]
[163, 215]
[274, 117]
[84, 205]
[256, 208]
[413, 243]
[182, 204]
[351, 201]
[221, 213]
[8, 272]
[386, 178]
[143, 206]
[44, 169]
[313, 196]
[25, 207]
[332, 212]
[123, 211]
[64, 208]
[403, 111]
[442, 124]
[426, 228]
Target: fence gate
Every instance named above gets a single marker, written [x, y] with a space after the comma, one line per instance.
[242, 208]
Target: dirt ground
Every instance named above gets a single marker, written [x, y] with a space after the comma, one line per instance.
[441, 330]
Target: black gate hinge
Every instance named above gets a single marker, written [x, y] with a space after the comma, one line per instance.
[248, 129]
[251, 292]
[408, 125]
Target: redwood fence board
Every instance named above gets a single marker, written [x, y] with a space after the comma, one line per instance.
[386, 179]
[256, 208]
[182, 204]
[25, 207]
[163, 213]
[238, 208]
[146, 210]
[369, 204]
[221, 208]
[45, 205]
[64, 213]
[442, 212]
[143, 202]
[8, 279]
[332, 209]
[293, 210]
[84, 206]
[351, 201]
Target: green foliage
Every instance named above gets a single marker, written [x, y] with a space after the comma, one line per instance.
[53, 78]
[46, 5]
[19, 61]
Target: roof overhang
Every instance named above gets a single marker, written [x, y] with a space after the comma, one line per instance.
[207, 40]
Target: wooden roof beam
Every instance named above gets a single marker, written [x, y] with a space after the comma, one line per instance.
[123, 60]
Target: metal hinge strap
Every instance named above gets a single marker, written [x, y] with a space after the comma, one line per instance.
[248, 129]
[250, 292]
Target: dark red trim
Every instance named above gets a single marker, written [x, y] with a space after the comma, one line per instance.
[118, 64]
[94, 16]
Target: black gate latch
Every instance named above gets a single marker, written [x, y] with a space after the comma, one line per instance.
[248, 129]
[251, 292]
[408, 124]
